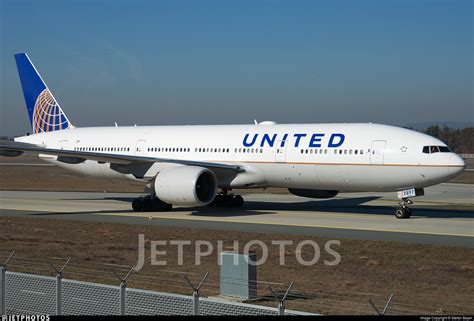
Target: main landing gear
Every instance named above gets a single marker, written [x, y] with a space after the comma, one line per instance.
[404, 211]
[150, 203]
[227, 200]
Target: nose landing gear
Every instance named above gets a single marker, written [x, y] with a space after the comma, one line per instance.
[404, 211]
[404, 195]
[150, 203]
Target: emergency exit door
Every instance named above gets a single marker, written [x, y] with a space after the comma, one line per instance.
[377, 152]
[140, 147]
[280, 152]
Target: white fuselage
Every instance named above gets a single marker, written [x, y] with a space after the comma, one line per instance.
[372, 157]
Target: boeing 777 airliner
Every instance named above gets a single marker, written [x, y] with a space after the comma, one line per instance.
[199, 165]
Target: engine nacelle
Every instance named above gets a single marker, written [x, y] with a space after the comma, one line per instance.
[313, 193]
[186, 185]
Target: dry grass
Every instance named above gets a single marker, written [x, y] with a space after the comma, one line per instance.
[424, 278]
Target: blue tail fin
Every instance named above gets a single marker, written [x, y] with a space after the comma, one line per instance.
[45, 113]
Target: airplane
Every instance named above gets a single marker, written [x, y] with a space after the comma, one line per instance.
[199, 165]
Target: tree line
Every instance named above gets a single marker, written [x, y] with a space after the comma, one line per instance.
[461, 141]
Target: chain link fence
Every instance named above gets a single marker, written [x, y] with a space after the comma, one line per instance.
[37, 286]
[26, 293]
[35, 294]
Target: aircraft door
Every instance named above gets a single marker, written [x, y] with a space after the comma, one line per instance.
[377, 151]
[140, 147]
[280, 152]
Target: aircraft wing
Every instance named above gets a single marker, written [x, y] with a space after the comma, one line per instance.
[12, 148]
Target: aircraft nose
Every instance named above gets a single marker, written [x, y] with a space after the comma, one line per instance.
[458, 165]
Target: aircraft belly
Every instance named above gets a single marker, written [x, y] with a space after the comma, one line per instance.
[349, 178]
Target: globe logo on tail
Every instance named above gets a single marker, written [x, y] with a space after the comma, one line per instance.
[47, 115]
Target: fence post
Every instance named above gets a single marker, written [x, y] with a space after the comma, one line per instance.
[59, 286]
[59, 300]
[196, 293]
[196, 303]
[281, 308]
[3, 290]
[123, 290]
[123, 298]
[281, 302]
[3, 286]
[386, 306]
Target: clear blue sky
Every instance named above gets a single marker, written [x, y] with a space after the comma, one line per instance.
[198, 62]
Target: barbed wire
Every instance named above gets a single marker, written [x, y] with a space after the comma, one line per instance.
[347, 301]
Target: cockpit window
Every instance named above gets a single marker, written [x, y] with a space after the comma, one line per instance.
[435, 149]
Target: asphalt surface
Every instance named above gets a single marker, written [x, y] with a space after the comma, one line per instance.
[444, 216]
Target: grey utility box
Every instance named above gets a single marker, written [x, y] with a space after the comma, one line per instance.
[238, 275]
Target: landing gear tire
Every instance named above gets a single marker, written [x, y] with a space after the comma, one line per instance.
[150, 203]
[147, 205]
[227, 200]
[137, 205]
[166, 207]
[402, 212]
[237, 201]
[160, 206]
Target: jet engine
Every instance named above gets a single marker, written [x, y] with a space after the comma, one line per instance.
[313, 193]
[186, 185]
